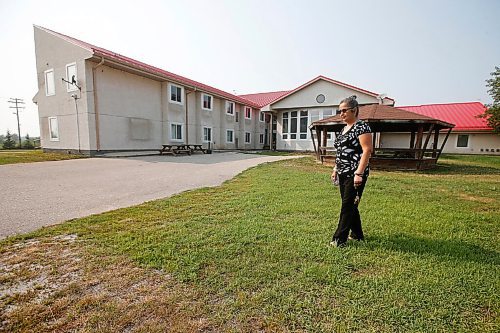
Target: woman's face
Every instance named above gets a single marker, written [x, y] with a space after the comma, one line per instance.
[347, 114]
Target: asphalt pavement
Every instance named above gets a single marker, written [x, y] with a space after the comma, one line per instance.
[45, 193]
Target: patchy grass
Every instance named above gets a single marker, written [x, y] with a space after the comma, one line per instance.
[28, 156]
[252, 255]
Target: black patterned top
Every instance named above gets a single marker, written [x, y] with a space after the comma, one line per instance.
[348, 148]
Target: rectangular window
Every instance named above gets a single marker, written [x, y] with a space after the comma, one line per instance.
[303, 125]
[50, 88]
[207, 134]
[463, 141]
[53, 129]
[237, 116]
[247, 137]
[293, 125]
[261, 138]
[175, 94]
[248, 113]
[261, 116]
[71, 77]
[229, 136]
[229, 107]
[206, 102]
[285, 125]
[176, 132]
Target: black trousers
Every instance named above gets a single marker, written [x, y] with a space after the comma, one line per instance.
[349, 219]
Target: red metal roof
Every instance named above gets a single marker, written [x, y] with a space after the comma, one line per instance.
[463, 115]
[263, 99]
[99, 51]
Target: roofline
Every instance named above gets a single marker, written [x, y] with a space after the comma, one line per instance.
[416, 106]
[155, 71]
[321, 77]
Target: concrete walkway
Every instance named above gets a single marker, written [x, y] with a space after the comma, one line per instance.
[45, 193]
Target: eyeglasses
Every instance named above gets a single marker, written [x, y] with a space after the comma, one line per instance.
[345, 110]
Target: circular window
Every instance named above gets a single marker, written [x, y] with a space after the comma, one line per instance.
[320, 98]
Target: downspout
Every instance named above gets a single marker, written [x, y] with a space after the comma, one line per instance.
[187, 130]
[96, 108]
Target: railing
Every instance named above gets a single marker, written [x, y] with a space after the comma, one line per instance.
[395, 153]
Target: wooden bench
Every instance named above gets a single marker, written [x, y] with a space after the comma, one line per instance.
[175, 149]
[195, 148]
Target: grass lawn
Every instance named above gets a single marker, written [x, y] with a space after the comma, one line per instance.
[252, 255]
[28, 156]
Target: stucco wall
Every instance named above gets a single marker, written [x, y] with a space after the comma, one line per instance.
[477, 141]
[130, 114]
[55, 53]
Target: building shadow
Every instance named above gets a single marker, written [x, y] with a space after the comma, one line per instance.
[442, 249]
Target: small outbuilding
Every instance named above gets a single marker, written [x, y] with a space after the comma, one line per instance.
[421, 153]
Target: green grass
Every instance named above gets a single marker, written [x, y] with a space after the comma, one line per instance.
[257, 247]
[28, 156]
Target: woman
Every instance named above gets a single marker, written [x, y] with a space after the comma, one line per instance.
[353, 149]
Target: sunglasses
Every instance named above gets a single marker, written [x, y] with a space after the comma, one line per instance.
[345, 110]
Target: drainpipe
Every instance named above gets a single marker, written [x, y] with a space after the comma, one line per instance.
[96, 108]
[187, 131]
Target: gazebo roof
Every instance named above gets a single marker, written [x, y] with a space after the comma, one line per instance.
[385, 118]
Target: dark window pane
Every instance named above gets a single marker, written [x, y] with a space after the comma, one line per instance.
[303, 125]
[303, 136]
[285, 125]
[293, 125]
[462, 141]
[293, 114]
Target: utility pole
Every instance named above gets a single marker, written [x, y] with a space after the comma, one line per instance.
[17, 101]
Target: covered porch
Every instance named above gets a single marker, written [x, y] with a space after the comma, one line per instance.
[418, 155]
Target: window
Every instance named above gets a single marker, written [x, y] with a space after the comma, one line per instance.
[247, 137]
[230, 108]
[229, 136]
[261, 116]
[463, 141]
[303, 125]
[50, 88]
[285, 125]
[71, 77]
[206, 102]
[295, 122]
[237, 118]
[248, 112]
[207, 134]
[175, 94]
[176, 132]
[53, 129]
[261, 138]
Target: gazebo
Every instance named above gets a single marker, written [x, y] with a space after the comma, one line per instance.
[383, 119]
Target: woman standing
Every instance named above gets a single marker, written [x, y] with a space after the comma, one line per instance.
[353, 149]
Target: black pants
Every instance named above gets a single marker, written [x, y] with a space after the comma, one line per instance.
[349, 214]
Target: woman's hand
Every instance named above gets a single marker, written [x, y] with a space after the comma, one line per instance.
[357, 180]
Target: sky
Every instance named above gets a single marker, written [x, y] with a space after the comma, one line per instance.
[415, 51]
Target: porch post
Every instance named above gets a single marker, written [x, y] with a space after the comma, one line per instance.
[435, 143]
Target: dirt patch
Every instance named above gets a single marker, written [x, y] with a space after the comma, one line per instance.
[476, 198]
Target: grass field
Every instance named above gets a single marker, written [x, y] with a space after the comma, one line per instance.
[252, 255]
[28, 156]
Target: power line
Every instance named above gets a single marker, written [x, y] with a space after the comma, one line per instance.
[17, 101]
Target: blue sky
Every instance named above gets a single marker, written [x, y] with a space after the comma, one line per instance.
[417, 52]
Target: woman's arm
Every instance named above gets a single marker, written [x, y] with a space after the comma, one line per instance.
[367, 145]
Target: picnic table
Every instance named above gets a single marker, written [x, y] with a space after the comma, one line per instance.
[181, 148]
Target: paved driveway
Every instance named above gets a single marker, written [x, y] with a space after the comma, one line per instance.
[41, 194]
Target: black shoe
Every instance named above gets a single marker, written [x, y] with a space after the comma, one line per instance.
[338, 243]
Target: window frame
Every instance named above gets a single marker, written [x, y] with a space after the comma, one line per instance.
[232, 135]
[170, 86]
[249, 109]
[203, 102]
[249, 138]
[71, 87]
[262, 117]
[233, 108]
[181, 131]
[261, 138]
[203, 134]
[51, 70]
[55, 139]
[468, 141]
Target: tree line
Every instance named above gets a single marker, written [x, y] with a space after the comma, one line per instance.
[11, 141]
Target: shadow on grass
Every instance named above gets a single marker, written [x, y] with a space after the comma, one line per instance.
[440, 248]
[455, 169]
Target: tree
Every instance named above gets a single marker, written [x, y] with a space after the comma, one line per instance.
[9, 143]
[27, 142]
[492, 113]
